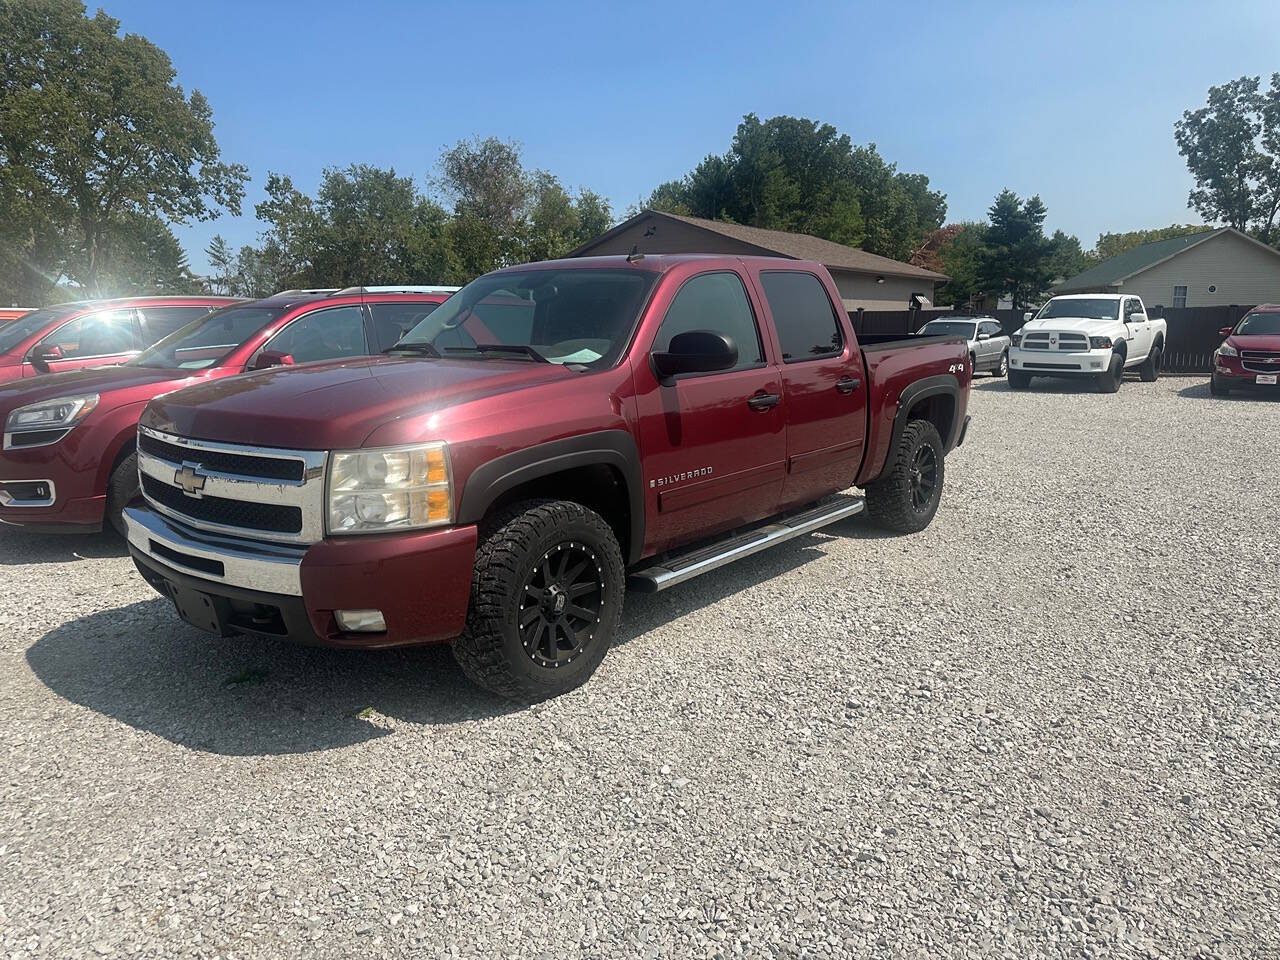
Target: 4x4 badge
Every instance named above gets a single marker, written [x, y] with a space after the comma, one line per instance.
[189, 480]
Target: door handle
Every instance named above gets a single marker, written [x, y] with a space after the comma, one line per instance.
[848, 384]
[764, 401]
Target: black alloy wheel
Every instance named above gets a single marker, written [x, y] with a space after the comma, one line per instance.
[560, 607]
[924, 476]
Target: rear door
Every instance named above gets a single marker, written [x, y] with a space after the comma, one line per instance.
[713, 444]
[92, 340]
[825, 399]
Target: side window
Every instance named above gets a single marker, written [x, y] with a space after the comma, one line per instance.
[104, 334]
[992, 328]
[323, 335]
[391, 321]
[717, 302]
[1179, 297]
[159, 322]
[808, 327]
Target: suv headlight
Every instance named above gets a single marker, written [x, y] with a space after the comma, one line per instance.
[394, 488]
[1100, 343]
[1227, 350]
[60, 414]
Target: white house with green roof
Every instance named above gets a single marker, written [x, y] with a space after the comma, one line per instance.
[1214, 268]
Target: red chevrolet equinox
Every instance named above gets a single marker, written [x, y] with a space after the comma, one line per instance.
[68, 463]
[1250, 356]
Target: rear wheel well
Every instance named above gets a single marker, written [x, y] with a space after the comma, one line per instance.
[599, 486]
[940, 410]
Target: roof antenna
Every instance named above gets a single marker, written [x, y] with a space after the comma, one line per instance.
[635, 255]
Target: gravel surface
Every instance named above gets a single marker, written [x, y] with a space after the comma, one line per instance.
[1046, 726]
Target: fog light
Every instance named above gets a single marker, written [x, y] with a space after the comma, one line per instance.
[360, 621]
[1096, 364]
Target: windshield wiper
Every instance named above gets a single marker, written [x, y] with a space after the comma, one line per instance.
[515, 348]
[419, 348]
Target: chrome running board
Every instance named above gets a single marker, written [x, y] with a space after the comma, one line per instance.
[685, 566]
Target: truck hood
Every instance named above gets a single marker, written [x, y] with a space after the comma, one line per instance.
[1081, 324]
[336, 405]
[100, 380]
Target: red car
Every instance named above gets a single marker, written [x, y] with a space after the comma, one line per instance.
[551, 429]
[1249, 359]
[13, 313]
[93, 333]
[67, 462]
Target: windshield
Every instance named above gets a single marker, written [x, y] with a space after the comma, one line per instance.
[582, 317]
[205, 342]
[1260, 325]
[948, 328]
[12, 334]
[1083, 308]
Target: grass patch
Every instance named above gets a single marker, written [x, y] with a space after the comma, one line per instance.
[366, 713]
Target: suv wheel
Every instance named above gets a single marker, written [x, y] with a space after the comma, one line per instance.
[546, 600]
[1002, 369]
[1150, 370]
[1218, 388]
[121, 488]
[906, 496]
[1019, 380]
[1109, 381]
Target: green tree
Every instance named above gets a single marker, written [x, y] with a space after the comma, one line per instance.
[1017, 258]
[1232, 148]
[1066, 256]
[957, 251]
[223, 263]
[96, 138]
[1113, 244]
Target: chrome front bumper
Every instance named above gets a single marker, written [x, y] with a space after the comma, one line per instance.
[266, 567]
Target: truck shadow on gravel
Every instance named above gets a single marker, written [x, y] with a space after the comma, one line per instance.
[241, 697]
[18, 547]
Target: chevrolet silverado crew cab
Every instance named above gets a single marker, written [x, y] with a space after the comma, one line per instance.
[67, 461]
[549, 431]
[1097, 336]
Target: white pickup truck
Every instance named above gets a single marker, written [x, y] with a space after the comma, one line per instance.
[1093, 335]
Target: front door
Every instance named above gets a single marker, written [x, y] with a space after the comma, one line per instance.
[713, 444]
[822, 374]
[1139, 329]
[93, 340]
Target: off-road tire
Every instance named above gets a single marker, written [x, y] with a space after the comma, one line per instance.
[890, 499]
[1150, 369]
[1110, 379]
[513, 543]
[1217, 389]
[1019, 380]
[1002, 367]
[121, 488]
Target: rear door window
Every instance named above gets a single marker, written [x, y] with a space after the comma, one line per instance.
[808, 328]
[391, 321]
[323, 335]
[716, 302]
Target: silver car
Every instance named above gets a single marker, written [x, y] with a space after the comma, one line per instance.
[988, 344]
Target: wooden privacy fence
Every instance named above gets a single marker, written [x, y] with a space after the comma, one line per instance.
[1193, 331]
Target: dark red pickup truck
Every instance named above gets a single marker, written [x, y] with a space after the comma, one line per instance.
[550, 431]
[67, 463]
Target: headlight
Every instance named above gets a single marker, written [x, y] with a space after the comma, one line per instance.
[1100, 343]
[1227, 350]
[52, 415]
[396, 488]
[1016, 339]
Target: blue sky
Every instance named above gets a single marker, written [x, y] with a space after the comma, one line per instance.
[1075, 102]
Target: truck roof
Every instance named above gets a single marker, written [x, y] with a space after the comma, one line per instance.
[1091, 296]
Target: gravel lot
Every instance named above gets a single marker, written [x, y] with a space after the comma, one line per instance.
[1046, 726]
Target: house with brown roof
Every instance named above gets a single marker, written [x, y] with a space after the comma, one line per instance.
[864, 279]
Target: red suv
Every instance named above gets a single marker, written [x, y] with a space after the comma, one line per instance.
[91, 333]
[1250, 357]
[68, 463]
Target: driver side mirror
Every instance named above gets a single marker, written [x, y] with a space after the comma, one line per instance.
[1026, 317]
[695, 351]
[267, 359]
[984, 336]
[42, 354]
[1226, 331]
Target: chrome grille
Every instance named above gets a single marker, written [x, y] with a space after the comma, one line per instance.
[1260, 361]
[264, 493]
[1045, 340]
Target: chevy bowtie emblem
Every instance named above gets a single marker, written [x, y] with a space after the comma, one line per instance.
[191, 482]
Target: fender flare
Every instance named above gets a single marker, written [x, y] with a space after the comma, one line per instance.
[944, 384]
[613, 448]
